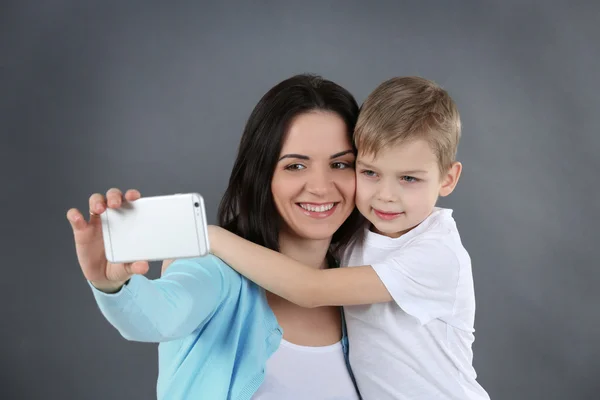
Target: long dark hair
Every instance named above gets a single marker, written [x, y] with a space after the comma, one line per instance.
[247, 208]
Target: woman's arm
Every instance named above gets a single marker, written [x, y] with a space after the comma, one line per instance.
[294, 281]
[171, 307]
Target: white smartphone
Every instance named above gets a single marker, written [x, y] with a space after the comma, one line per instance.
[156, 228]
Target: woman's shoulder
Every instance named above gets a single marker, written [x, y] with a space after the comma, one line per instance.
[239, 289]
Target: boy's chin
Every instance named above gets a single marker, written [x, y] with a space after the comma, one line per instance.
[390, 230]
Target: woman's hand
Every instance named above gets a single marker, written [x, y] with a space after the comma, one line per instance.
[89, 244]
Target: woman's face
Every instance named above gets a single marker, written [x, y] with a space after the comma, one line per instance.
[314, 182]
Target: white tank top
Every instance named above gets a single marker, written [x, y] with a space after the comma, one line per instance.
[297, 372]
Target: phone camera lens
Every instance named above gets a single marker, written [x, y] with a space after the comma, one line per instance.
[196, 204]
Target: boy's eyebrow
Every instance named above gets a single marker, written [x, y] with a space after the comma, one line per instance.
[303, 157]
[364, 164]
[411, 172]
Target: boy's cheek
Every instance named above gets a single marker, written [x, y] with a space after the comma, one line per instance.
[360, 200]
[361, 185]
[357, 195]
[362, 192]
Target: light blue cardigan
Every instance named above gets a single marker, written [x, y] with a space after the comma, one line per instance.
[215, 328]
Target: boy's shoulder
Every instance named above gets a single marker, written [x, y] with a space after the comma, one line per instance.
[439, 228]
[439, 223]
[436, 237]
[439, 232]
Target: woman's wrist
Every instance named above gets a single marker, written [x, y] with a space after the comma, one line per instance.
[108, 286]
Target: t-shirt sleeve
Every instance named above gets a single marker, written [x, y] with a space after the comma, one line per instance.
[422, 278]
[171, 307]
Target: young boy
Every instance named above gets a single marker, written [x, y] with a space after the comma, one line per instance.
[409, 302]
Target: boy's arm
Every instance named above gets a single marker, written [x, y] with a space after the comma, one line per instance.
[294, 281]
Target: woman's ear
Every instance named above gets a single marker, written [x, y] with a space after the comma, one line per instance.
[450, 179]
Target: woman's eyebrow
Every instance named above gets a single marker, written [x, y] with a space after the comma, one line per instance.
[341, 153]
[300, 156]
[303, 157]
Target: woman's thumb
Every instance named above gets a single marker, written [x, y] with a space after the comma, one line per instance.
[137, 268]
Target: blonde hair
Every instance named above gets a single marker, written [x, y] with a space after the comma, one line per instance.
[406, 109]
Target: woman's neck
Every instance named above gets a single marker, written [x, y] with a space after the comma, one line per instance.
[297, 322]
[311, 252]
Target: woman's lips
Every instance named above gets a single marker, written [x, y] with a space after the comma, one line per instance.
[318, 214]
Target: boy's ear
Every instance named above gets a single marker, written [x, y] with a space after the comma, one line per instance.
[450, 180]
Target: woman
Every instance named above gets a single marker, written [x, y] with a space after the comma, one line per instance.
[292, 190]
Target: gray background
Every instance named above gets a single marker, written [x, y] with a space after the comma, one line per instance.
[154, 96]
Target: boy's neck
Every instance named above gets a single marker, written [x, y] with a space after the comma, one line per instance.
[394, 235]
[311, 252]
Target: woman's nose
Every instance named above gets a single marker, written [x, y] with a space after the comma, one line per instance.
[319, 182]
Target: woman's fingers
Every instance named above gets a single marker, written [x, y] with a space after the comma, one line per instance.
[97, 203]
[132, 195]
[76, 219]
[165, 265]
[114, 198]
[138, 267]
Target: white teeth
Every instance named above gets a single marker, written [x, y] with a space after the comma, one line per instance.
[321, 208]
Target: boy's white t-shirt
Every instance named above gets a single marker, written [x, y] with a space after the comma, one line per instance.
[419, 345]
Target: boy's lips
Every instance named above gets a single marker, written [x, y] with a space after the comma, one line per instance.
[385, 215]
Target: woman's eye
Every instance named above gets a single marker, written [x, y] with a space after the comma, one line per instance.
[295, 167]
[341, 165]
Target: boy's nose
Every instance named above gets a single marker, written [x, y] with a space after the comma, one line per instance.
[385, 193]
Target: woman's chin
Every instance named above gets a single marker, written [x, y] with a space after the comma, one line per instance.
[317, 233]
[309, 228]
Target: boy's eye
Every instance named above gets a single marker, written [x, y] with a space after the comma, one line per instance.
[409, 179]
[295, 167]
[341, 165]
[368, 172]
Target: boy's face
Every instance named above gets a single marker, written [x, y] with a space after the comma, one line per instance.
[399, 188]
